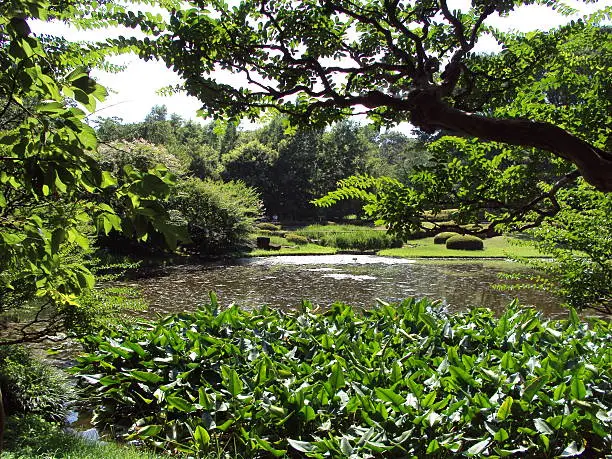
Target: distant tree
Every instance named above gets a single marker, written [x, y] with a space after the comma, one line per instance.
[219, 216]
[252, 163]
[344, 151]
[399, 61]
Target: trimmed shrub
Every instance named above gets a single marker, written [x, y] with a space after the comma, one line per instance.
[265, 232]
[441, 238]
[467, 242]
[268, 226]
[296, 239]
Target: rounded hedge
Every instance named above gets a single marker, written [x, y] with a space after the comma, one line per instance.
[441, 238]
[466, 242]
[296, 239]
[268, 226]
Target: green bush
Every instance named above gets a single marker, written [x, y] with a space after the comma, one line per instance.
[268, 226]
[441, 238]
[360, 240]
[265, 232]
[400, 380]
[30, 386]
[219, 216]
[579, 239]
[467, 242]
[141, 155]
[350, 237]
[296, 238]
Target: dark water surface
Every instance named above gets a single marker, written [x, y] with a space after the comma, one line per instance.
[284, 281]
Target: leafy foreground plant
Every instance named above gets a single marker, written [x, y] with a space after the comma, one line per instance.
[398, 380]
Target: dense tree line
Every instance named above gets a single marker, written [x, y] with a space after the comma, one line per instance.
[288, 167]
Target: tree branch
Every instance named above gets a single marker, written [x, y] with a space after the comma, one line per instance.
[430, 113]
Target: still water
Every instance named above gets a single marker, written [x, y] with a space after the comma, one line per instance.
[354, 279]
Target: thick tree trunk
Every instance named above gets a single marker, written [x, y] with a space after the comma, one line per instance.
[429, 112]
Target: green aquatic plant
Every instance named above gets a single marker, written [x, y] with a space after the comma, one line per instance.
[405, 380]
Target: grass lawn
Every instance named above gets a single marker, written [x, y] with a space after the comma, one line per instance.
[65, 446]
[289, 248]
[496, 247]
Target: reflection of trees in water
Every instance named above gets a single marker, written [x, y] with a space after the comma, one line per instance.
[460, 285]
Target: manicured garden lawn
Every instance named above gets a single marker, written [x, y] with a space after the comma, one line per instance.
[496, 247]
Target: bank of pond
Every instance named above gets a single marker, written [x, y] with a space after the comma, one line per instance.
[355, 371]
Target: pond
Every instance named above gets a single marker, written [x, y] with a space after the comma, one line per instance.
[359, 280]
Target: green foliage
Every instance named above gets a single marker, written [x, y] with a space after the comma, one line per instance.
[401, 380]
[219, 216]
[268, 226]
[464, 242]
[50, 183]
[296, 238]
[139, 154]
[251, 163]
[579, 240]
[441, 238]
[31, 386]
[32, 437]
[429, 73]
[350, 237]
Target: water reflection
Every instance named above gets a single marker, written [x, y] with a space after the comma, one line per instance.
[358, 280]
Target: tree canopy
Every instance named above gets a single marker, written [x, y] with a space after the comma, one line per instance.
[50, 182]
[319, 61]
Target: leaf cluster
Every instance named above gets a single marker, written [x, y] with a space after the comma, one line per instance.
[400, 380]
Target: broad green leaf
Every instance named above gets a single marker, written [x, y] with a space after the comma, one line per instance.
[148, 431]
[388, 395]
[542, 426]
[533, 387]
[302, 446]
[146, 376]
[577, 388]
[180, 404]
[232, 381]
[336, 379]
[572, 450]
[501, 435]
[478, 448]
[308, 413]
[201, 437]
[505, 408]
[346, 447]
[433, 446]
[461, 374]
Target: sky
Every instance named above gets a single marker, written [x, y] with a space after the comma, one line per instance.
[134, 91]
